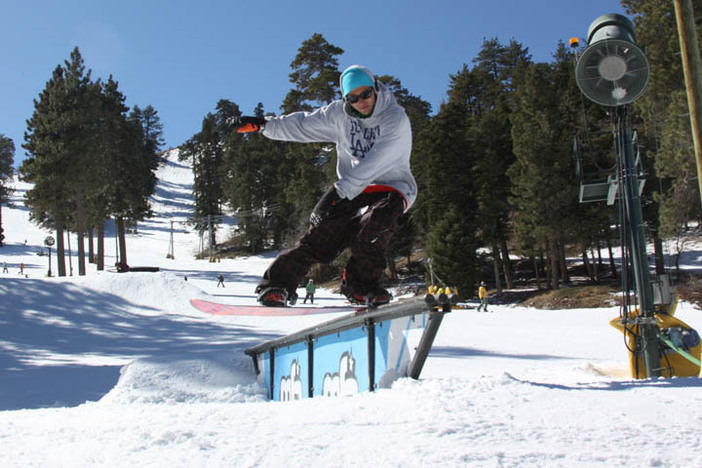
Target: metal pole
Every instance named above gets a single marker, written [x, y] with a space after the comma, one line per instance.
[644, 292]
[116, 243]
[209, 235]
[171, 250]
[425, 343]
[692, 69]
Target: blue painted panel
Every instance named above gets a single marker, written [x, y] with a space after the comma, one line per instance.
[290, 372]
[341, 363]
[264, 376]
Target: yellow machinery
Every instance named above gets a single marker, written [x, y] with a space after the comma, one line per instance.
[679, 344]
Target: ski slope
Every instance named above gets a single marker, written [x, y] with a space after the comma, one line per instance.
[118, 370]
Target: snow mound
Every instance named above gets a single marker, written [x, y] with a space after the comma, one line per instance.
[171, 381]
[146, 289]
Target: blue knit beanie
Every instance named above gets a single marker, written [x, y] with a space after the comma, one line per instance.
[353, 77]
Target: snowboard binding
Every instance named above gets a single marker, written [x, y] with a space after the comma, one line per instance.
[374, 298]
[276, 297]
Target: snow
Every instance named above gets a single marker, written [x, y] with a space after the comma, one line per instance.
[116, 369]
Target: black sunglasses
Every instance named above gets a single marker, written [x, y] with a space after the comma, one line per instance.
[353, 98]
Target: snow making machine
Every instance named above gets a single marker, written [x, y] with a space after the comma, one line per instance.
[613, 72]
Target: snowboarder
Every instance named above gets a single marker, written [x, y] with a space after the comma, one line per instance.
[373, 142]
[220, 281]
[309, 289]
[483, 296]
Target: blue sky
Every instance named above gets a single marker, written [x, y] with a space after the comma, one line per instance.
[181, 57]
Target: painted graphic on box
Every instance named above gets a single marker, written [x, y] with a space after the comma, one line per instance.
[291, 385]
[344, 382]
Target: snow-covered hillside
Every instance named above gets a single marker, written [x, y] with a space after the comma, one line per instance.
[119, 370]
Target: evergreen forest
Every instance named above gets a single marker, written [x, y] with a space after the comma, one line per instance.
[495, 163]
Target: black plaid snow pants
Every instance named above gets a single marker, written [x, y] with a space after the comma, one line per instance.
[368, 236]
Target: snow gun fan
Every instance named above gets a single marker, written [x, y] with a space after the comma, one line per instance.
[612, 71]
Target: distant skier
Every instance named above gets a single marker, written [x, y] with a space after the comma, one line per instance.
[483, 296]
[373, 141]
[309, 289]
[21, 272]
[220, 281]
[4, 267]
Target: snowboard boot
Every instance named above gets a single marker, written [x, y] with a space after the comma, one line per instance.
[373, 298]
[378, 296]
[273, 297]
[352, 296]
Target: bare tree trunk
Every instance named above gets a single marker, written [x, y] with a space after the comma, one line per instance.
[554, 254]
[496, 268]
[60, 250]
[586, 263]
[565, 276]
[507, 265]
[80, 231]
[101, 247]
[537, 274]
[70, 253]
[91, 250]
[658, 249]
[548, 270]
[595, 269]
[612, 265]
[123, 265]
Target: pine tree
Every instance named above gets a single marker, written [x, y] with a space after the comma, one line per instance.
[7, 153]
[495, 68]
[315, 75]
[152, 129]
[666, 129]
[544, 187]
[443, 159]
[110, 155]
[58, 140]
[418, 111]
[142, 146]
[252, 185]
[206, 150]
[470, 137]
[452, 247]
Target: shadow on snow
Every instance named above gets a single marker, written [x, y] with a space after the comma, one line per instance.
[50, 324]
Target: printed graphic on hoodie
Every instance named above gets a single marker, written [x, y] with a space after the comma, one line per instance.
[362, 139]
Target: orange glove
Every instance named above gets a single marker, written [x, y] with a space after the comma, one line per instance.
[246, 124]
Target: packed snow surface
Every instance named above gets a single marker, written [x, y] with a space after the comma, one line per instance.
[114, 370]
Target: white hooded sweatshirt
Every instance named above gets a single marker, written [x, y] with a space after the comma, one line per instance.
[371, 151]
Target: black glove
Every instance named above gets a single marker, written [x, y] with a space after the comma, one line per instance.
[324, 206]
[246, 124]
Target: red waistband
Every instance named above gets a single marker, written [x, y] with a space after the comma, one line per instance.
[373, 188]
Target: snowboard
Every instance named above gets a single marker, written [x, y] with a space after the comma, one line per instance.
[215, 308]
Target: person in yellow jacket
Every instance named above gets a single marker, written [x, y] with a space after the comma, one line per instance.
[483, 296]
